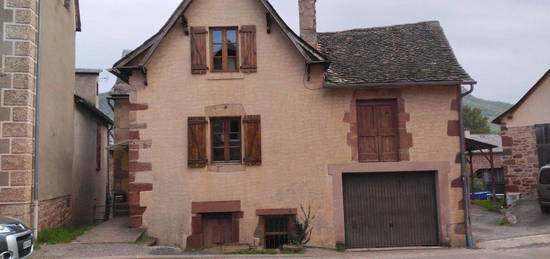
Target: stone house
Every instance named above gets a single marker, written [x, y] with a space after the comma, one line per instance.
[526, 138]
[38, 110]
[235, 122]
[92, 176]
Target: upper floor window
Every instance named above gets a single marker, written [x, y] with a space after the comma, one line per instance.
[226, 139]
[224, 49]
[377, 130]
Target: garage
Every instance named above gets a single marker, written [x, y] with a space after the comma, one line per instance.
[390, 209]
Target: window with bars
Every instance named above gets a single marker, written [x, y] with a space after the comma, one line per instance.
[224, 49]
[543, 143]
[226, 140]
[276, 231]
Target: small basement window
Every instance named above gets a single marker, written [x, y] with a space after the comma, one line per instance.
[276, 231]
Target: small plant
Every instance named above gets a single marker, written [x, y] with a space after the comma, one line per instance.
[303, 227]
[503, 222]
[340, 247]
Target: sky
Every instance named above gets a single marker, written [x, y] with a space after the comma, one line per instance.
[503, 44]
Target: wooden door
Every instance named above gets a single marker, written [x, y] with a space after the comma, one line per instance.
[377, 132]
[390, 210]
[217, 229]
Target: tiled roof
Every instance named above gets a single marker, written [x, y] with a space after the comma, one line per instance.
[410, 53]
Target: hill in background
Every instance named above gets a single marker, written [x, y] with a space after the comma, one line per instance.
[490, 109]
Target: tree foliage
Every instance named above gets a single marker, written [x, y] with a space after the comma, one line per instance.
[475, 121]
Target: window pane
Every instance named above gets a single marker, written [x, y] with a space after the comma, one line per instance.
[218, 154]
[232, 50]
[217, 36]
[235, 126]
[218, 140]
[217, 50]
[235, 154]
[232, 64]
[217, 126]
[218, 63]
[231, 36]
[235, 139]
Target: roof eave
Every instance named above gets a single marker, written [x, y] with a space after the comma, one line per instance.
[398, 84]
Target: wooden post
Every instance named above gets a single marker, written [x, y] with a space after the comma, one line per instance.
[494, 177]
[471, 169]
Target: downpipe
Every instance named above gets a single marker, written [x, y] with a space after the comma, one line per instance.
[36, 155]
[465, 175]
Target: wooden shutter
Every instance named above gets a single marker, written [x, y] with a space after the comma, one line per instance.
[378, 138]
[253, 140]
[197, 142]
[248, 49]
[198, 50]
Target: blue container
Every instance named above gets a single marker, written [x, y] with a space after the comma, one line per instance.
[480, 195]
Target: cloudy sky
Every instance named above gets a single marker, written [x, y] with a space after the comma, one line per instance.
[503, 44]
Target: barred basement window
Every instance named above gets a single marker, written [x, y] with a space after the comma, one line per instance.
[276, 231]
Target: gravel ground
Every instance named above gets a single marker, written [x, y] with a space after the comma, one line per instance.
[531, 221]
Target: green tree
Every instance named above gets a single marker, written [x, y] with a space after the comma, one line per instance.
[475, 121]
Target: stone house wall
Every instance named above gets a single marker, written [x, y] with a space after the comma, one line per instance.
[17, 79]
[521, 165]
[304, 132]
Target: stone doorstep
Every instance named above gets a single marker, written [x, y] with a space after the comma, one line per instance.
[516, 242]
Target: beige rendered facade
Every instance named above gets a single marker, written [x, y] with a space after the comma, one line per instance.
[308, 136]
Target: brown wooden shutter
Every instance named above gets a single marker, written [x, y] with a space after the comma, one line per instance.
[253, 140]
[198, 50]
[377, 131]
[249, 58]
[196, 156]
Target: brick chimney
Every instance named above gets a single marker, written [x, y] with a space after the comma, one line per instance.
[308, 21]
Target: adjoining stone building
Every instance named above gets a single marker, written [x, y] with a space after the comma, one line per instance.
[526, 138]
[235, 122]
[92, 177]
[34, 74]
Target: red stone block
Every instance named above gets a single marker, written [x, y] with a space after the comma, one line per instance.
[138, 106]
[140, 187]
[135, 221]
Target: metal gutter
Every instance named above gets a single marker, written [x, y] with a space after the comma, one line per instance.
[465, 175]
[36, 155]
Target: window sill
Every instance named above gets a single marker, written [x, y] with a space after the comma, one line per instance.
[224, 76]
[226, 167]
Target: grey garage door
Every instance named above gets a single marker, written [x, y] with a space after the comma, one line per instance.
[390, 210]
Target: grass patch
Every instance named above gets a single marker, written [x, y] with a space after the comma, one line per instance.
[60, 235]
[488, 204]
[144, 240]
[262, 252]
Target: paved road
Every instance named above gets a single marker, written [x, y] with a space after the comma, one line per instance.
[531, 221]
[129, 251]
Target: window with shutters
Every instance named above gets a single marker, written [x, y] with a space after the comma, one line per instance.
[224, 55]
[543, 143]
[377, 131]
[226, 139]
